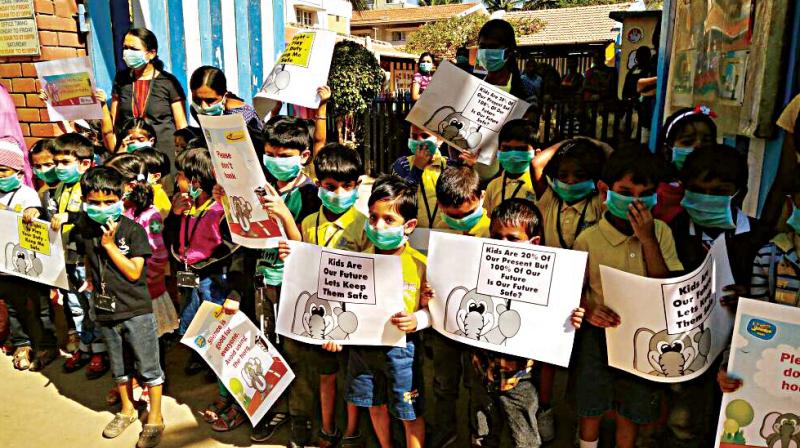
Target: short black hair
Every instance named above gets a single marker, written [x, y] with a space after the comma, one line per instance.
[520, 212]
[288, 132]
[102, 179]
[637, 161]
[133, 169]
[141, 125]
[679, 120]
[456, 185]
[721, 162]
[187, 133]
[399, 191]
[338, 162]
[43, 145]
[589, 155]
[518, 129]
[180, 160]
[197, 165]
[197, 142]
[157, 162]
[73, 144]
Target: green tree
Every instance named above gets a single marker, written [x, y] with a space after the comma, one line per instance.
[355, 79]
[438, 2]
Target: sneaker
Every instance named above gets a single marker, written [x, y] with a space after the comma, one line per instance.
[150, 436]
[43, 359]
[301, 433]
[545, 420]
[97, 367]
[120, 423]
[329, 440]
[266, 428]
[355, 441]
[442, 439]
[76, 361]
[22, 358]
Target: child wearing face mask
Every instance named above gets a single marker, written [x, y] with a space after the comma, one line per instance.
[138, 135]
[157, 169]
[683, 132]
[44, 168]
[210, 96]
[514, 153]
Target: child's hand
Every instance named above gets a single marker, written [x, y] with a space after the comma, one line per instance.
[109, 231]
[728, 383]
[230, 306]
[218, 192]
[43, 95]
[468, 158]
[577, 317]
[332, 347]
[603, 317]
[283, 250]
[181, 203]
[426, 294]
[642, 222]
[324, 93]
[273, 204]
[3, 207]
[731, 295]
[58, 220]
[29, 215]
[100, 95]
[405, 322]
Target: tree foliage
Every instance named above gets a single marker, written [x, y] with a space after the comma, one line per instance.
[355, 78]
[437, 2]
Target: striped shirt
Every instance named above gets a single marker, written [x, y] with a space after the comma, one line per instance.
[776, 271]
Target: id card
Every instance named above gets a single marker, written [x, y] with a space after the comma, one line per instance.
[105, 302]
[187, 279]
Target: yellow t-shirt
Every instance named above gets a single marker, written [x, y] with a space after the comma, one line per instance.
[346, 233]
[504, 187]
[789, 115]
[413, 264]
[608, 246]
[427, 207]
[161, 200]
[481, 229]
[555, 212]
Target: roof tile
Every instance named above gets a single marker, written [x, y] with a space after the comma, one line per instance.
[418, 14]
[583, 24]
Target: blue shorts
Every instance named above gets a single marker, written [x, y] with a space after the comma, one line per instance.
[601, 388]
[140, 334]
[386, 375]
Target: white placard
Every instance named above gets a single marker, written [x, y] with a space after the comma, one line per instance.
[32, 251]
[496, 298]
[69, 84]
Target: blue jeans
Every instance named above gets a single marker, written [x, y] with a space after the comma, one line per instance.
[213, 288]
[79, 311]
[140, 335]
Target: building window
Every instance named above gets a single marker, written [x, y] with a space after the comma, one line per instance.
[305, 18]
[398, 36]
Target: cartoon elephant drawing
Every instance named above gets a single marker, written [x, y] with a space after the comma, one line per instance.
[277, 80]
[455, 127]
[781, 430]
[322, 319]
[480, 317]
[241, 209]
[253, 375]
[671, 355]
[23, 260]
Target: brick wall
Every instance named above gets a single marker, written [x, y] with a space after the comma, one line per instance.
[59, 39]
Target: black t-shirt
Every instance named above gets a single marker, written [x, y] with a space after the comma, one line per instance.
[132, 298]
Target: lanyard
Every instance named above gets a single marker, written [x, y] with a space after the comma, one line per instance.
[431, 216]
[11, 199]
[137, 109]
[316, 233]
[101, 266]
[516, 190]
[578, 228]
[187, 237]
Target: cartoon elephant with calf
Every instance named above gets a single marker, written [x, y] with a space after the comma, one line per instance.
[781, 430]
[453, 126]
[322, 319]
[671, 355]
[23, 261]
[480, 317]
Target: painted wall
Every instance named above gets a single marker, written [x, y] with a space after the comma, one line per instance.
[325, 13]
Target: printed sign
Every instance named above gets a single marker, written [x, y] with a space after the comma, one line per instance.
[672, 329]
[238, 170]
[15, 9]
[70, 89]
[340, 296]
[299, 72]
[469, 117]
[765, 355]
[32, 251]
[19, 37]
[507, 297]
[243, 359]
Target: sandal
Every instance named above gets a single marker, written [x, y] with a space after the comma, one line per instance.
[43, 359]
[230, 420]
[22, 358]
[150, 435]
[213, 412]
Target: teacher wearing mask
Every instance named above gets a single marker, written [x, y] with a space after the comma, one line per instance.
[145, 91]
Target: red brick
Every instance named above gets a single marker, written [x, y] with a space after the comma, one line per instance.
[28, 69]
[33, 100]
[22, 85]
[27, 114]
[26, 131]
[69, 40]
[44, 116]
[43, 6]
[19, 99]
[20, 58]
[44, 129]
[48, 38]
[51, 53]
[29, 141]
[55, 23]
[65, 8]
[7, 84]
[10, 70]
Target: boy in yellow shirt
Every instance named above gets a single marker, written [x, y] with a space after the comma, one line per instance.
[515, 152]
[460, 201]
[157, 169]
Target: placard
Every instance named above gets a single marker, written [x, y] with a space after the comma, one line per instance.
[238, 170]
[32, 251]
[671, 329]
[69, 84]
[468, 117]
[507, 297]
[765, 355]
[252, 370]
[340, 296]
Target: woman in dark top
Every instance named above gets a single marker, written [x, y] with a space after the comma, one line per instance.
[145, 91]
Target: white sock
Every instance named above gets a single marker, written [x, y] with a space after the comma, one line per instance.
[585, 444]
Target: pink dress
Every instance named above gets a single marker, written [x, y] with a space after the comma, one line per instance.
[422, 80]
[204, 235]
[9, 127]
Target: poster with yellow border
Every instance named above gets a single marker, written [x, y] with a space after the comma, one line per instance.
[69, 85]
[31, 251]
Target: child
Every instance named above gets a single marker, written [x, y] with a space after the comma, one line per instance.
[460, 201]
[626, 238]
[505, 390]
[183, 137]
[138, 135]
[116, 250]
[73, 156]
[157, 170]
[26, 300]
[515, 153]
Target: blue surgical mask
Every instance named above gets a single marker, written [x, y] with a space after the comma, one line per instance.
[385, 239]
[135, 146]
[214, 110]
[570, 193]
[708, 210]
[101, 215]
[794, 219]
[194, 193]
[283, 168]
[338, 203]
[134, 58]
[466, 223]
[48, 176]
[68, 174]
[492, 59]
[428, 144]
[679, 154]
[462, 60]
[515, 162]
[426, 67]
[9, 183]
[618, 204]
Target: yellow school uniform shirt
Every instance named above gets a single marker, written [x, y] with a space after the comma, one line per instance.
[481, 229]
[608, 246]
[413, 264]
[427, 208]
[555, 213]
[504, 187]
[346, 233]
[161, 200]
